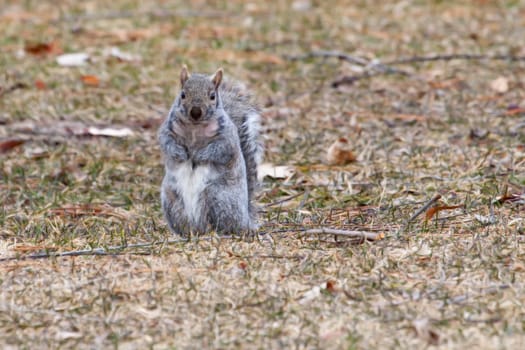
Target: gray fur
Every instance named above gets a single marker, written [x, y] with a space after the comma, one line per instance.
[220, 149]
[239, 105]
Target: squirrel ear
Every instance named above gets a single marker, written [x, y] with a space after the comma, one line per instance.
[184, 75]
[217, 78]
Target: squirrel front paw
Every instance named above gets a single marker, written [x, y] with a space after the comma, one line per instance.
[177, 152]
[216, 153]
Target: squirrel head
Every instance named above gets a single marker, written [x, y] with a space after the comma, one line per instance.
[199, 96]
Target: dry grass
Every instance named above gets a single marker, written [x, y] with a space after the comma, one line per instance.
[456, 280]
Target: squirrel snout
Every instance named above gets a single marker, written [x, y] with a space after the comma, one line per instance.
[196, 113]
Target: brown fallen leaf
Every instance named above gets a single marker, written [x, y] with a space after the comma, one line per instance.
[36, 153]
[408, 117]
[488, 98]
[515, 111]
[7, 145]
[447, 84]
[40, 85]
[518, 266]
[90, 80]
[514, 197]
[339, 153]
[40, 49]
[434, 210]
[332, 287]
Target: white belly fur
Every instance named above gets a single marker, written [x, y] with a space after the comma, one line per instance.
[189, 184]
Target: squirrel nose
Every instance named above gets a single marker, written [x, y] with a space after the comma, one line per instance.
[195, 113]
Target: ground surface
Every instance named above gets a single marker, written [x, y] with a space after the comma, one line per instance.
[457, 128]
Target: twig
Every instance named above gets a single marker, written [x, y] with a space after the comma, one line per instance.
[338, 54]
[113, 250]
[405, 60]
[108, 250]
[375, 67]
[270, 256]
[424, 208]
[419, 212]
[12, 88]
[451, 57]
[350, 79]
[282, 200]
[303, 201]
[372, 67]
[360, 234]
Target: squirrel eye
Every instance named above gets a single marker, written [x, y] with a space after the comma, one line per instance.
[212, 96]
[182, 95]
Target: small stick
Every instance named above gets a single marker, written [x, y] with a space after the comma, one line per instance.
[109, 250]
[12, 88]
[283, 200]
[338, 54]
[373, 68]
[370, 65]
[460, 56]
[419, 212]
[361, 234]
[350, 79]
[405, 60]
[424, 208]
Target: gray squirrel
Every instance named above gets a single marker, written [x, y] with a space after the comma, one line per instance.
[211, 147]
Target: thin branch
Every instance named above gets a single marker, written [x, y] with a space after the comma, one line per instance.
[375, 67]
[270, 256]
[112, 250]
[12, 88]
[281, 201]
[405, 60]
[372, 67]
[337, 54]
[303, 200]
[418, 212]
[424, 208]
[372, 236]
[452, 57]
[350, 79]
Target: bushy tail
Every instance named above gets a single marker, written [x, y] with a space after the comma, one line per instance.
[246, 115]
